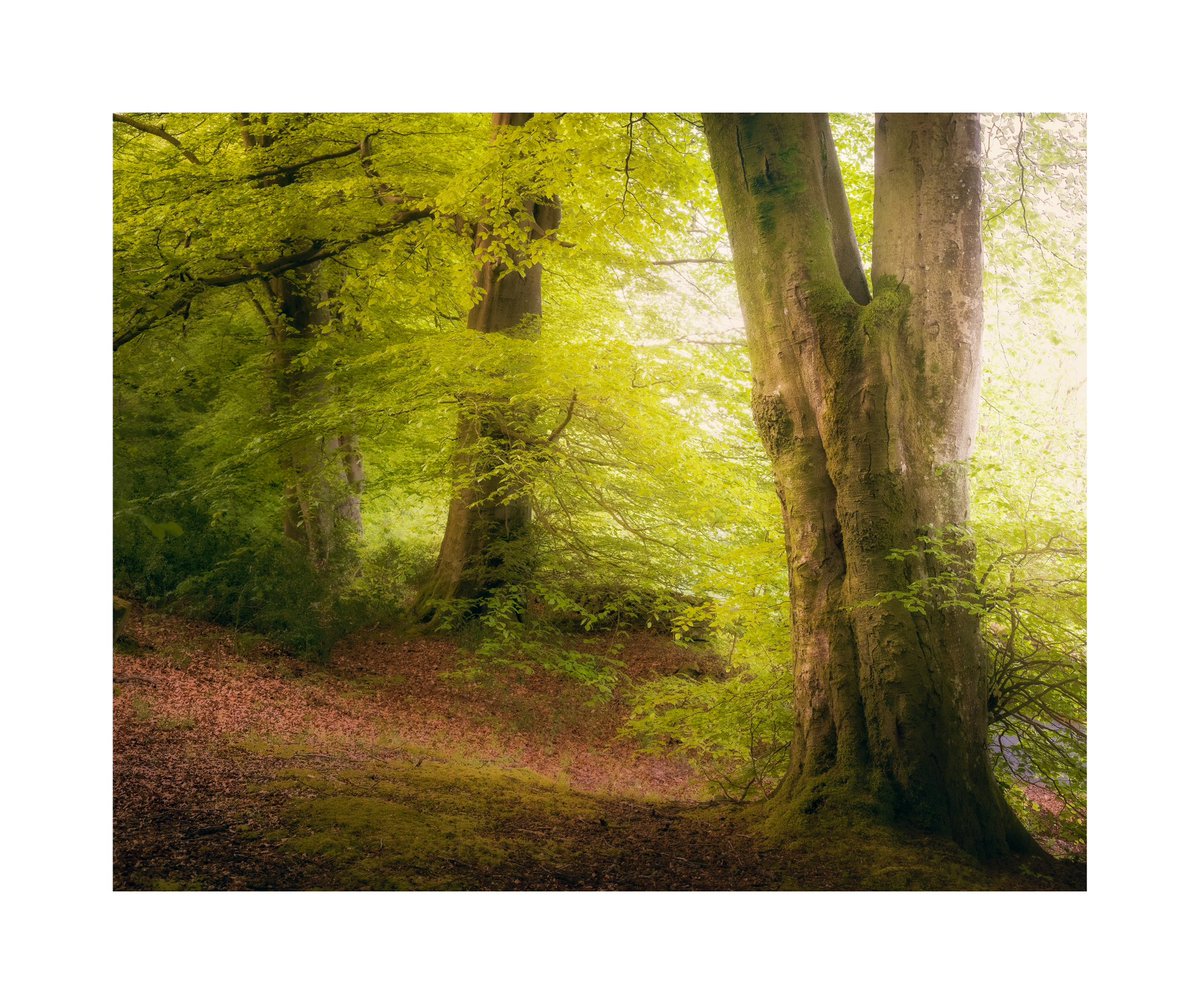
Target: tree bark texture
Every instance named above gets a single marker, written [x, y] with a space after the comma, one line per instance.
[487, 526]
[867, 405]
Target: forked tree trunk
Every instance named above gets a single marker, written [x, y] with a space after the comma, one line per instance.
[483, 547]
[868, 410]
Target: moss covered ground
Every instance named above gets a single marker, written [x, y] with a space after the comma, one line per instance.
[398, 766]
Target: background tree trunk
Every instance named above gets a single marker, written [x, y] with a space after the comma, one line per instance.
[322, 505]
[867, 408]
[484, 546]
[324, 474]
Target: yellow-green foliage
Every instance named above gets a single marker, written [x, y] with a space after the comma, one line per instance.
[734, 730]
[657, 485]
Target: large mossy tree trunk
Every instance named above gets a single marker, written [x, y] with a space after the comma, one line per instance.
[484, 546]
[867, 405]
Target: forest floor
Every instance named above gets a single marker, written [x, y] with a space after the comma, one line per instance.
[395, 766]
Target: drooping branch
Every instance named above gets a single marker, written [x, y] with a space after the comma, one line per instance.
[562, 426]
[1021, 157]
[628, 158]
[319, 250]
[161, 133]
[690, 261]
[289, 171]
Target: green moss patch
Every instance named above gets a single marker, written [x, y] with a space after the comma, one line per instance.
[838, 846]
[415, 823]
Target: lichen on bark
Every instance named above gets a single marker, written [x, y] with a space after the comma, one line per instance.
[774, 424]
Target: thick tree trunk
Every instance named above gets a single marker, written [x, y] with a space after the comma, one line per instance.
[868, 409]
[483, 547]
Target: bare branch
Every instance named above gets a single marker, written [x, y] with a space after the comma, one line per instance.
[1022, 192]
[691, 261]
[628, 157]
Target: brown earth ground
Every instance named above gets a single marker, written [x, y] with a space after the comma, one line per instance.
[396, 766]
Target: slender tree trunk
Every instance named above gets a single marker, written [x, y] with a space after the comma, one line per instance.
[868, 408]
[484, 546]
[324, 474]
[322, 507]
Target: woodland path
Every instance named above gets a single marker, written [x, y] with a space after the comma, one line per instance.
[239, 767]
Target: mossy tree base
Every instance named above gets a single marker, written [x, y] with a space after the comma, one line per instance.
[818, 807]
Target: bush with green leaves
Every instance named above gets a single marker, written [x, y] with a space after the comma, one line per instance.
[1029, 595]
[269, 588]
[503, 630]
[735, 731]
